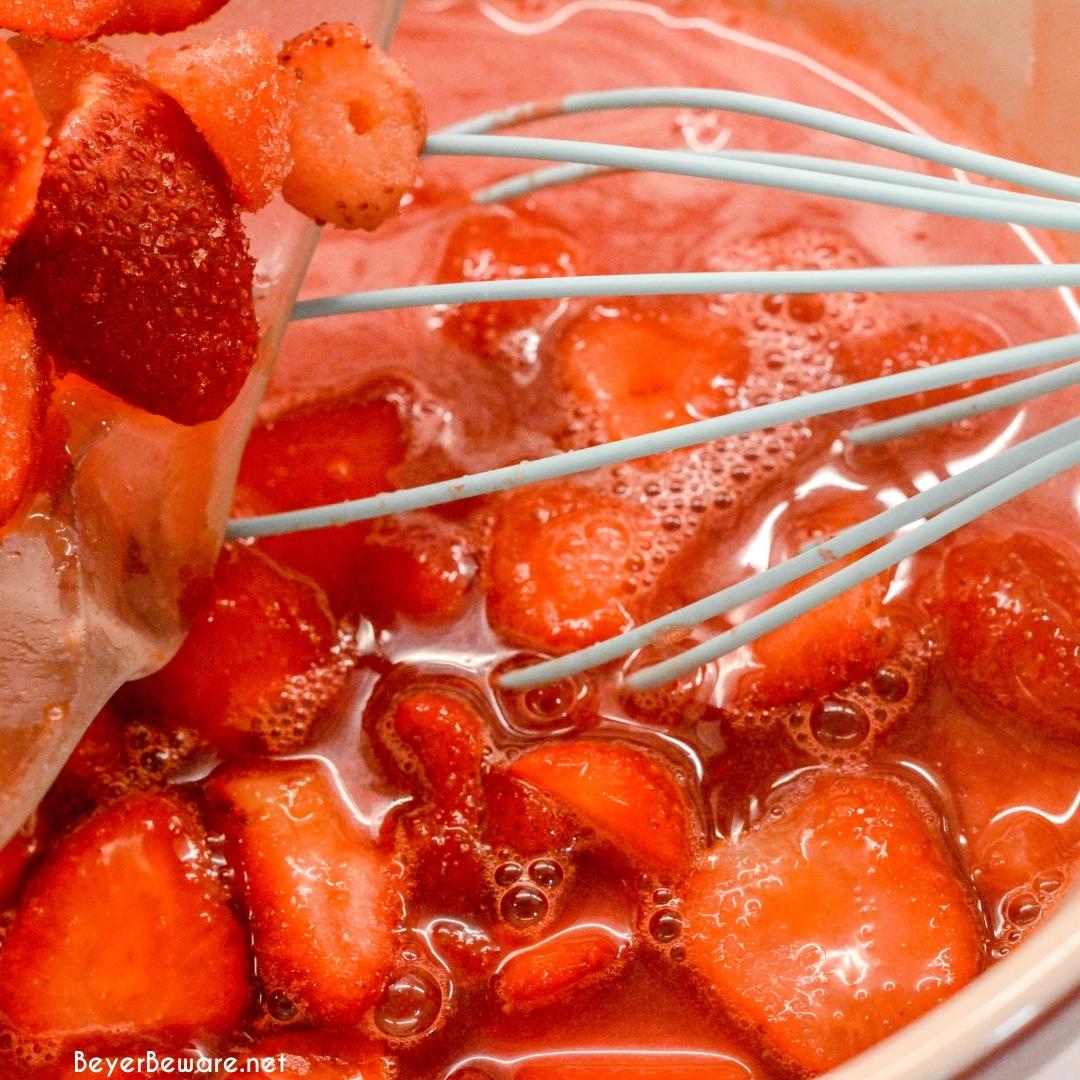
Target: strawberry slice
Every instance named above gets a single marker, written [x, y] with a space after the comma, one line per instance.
[498, 243]
[65, 20]
[628, 796]
[321, 896]
[159, 16]
[22, 147]
[260, 664]
[525, 820]
[640, 369]
[838, 642]
[1011, 610]
[568, 961]
[320, 1056]
[242, 101]
[561, 567]
[124, 930]
[24, 395]
[918, 344]
[632, 1065]
[835, 923]
[168, 320]
[329, 452]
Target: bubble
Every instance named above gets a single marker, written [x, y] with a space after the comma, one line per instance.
[677, 953]
[839, 724]
[1048, 883]
[546, 873]
[665, 926]
[662, 896]
[890, 685]
[1023, 909]
[280, 1006]
[524, 906]
[410, 1004]
[507, 873]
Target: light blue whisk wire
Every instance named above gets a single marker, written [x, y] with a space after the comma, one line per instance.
[978, 489]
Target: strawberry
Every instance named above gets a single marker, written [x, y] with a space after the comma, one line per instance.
[319, 1056]
[565, 962]
[358, 128]
[260, 664]
[627, 795]
[65, 20]
[639, 369]
[832, 922]
[22, 147]
[17, 855]
[561, 566]
[24, 395]
[321, 896]
[498, 243]
[631, 1065]
[159, 16]
[58, 70]
[843, 639]
[917, 344]
[1011, 612]
[329, 452]
[238, 96]
[124, 929]
[135, 264]
[524, 820]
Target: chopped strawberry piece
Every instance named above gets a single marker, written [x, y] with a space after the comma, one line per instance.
[58, 71]
[833, 924]
[320, 1056]
[260, 664]
[124, 929]
[17, 855]
[498, 243]
[22, 147]
[358, 128]
[625, 794]
[65, 20]
[562, 564]
[632, 1065]
[920, 344]
[321, 896]
[24, 394]
[567, 961]
[242, 101]
[843, 639]
[524, 820]
[640, 369]
[468, 949]
[447, 739]
[170, 323]
[327, 453]
[445, 859]
[160, 16]
[1011, 609]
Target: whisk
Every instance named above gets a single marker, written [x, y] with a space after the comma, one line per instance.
[940, 509]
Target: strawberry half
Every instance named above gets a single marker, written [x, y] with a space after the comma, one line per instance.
[135, 263]
[832, 925]
[628, 796]
[320, 895]
[22, 147]
[124, 930]
[24, 395]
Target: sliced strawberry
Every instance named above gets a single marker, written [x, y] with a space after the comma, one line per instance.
[22, 147]
[1011, 609]
[835, 923]
[524, 820]
[321, 896]
[333, 451]
[632, 1065]
[159, 16]
[125, 930]
[625, 794]
[843, 639]
[24, 395]
[564, 962]
[17, 855]
[919, 344]
[497, 243]
[242, 101]
[562, 565]
[639, 369]
[169, 322]
[320, 1056]
[66, 20]
[260, 664]
[358, 128]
